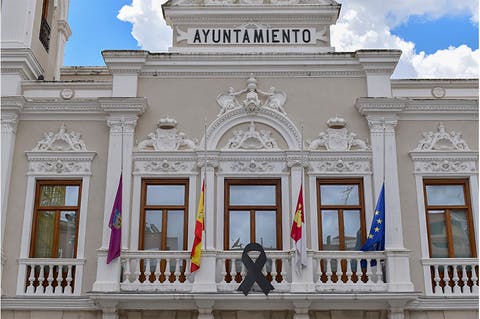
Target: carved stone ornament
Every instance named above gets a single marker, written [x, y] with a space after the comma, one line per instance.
[252, 166]
[442, 140]
[165, 166]
[167, 138]
[60, 167]
[67, 94]
[337, 138]
[60, 141]
[251, 98]
[251, 140]
[341, 166]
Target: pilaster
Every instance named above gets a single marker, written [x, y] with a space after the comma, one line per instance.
[122, 119]
[64, 33]
[205, 308]
[11, 110]
[382, 117]
[301, 309]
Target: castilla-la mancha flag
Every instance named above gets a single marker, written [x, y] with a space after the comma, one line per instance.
[298, 235]
[197, 241]
[115, 225]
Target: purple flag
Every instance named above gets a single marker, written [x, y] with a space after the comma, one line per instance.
[115, 225]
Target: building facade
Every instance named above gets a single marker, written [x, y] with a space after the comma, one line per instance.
[252, 100]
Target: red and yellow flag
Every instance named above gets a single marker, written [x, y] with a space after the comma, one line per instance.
[298, 219]
[197, 241]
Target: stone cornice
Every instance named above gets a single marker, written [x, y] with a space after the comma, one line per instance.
[22, 61]
[64, 27]
[380, 107]
[42, 85]
[12, 105]
[429, 83]
[378, 61]
[124, 61]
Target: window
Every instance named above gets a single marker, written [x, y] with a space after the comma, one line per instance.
[163, 217]
[55, 219]
[341, 221]
[449, 218]
[44, 35]
[252, 213]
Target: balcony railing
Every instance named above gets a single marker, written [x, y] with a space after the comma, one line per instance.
[451, 276]
[340, 271]
[50, 276]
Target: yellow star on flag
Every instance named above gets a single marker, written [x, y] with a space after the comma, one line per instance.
[377, 229]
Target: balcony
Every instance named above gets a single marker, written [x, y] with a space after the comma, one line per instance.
[451, 276]
[50, 276]
[339, 271]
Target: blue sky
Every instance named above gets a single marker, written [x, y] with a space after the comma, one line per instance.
[428, 36]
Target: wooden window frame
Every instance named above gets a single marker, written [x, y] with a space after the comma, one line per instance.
[57, 209]
[340, 209]
[277, 207]
[164, 208]
[467, 207]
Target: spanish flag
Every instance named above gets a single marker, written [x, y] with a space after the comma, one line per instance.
[197, 241]
[298, 234]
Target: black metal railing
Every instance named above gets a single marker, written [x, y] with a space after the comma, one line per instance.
[45, 34]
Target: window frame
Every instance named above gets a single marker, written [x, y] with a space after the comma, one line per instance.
[37, 208]
[277, 207]
[164, 208]
[340, 209]
[467, 207]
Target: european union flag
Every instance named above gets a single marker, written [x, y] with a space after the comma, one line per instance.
[376, 236]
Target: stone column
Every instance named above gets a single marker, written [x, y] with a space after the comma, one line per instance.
[382, 117]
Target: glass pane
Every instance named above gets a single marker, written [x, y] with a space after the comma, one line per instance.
[59, 195]
[265, 229]
[438, 233]
[175, 220]
[44, 234]
[339, 194]
[353, 234]
[152, 237]
[165, 194]
[330, 235]
[239, 229]
[252, 195]
[67, 234]
[461, 241]
[445, 195]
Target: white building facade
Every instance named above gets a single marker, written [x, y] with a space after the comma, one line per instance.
[252, 99]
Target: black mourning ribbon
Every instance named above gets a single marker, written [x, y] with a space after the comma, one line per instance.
[254, 270]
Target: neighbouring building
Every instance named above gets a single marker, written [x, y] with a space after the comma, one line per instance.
[251, 98]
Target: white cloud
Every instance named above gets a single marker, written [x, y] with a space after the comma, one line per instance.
[362, 25]
[149, 27]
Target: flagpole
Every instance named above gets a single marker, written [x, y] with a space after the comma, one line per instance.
[204, 181]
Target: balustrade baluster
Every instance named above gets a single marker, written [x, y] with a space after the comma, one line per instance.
[369, 271]
[283, 270]
[158, 271]
[446, 279]
[147, 271]
[379, 271]
[223, 270]
[177, 271]
[58, 280]
[437, 290]
[41, 278]
[68, 287]
[474, 279]
[233, 270]
[349, 272]
[31, 279]
[186, 271]
[274, 272]
[359, 272]
[465, 288]
[329, 272]
[126, 271]
[136, 272]
[49, 288]
[456, 286]
[168, 272]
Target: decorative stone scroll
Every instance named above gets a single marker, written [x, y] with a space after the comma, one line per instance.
[251, 98]
[442, 140]
[167, 138]
[60, 141]
[337, 138]
[251, 140]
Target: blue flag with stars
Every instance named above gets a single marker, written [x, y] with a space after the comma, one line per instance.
[376, 236]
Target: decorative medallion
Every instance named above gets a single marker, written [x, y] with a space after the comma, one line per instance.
[60, 141]
[251, 140]
[442, 140]
[438, 92]
[337, 138]
[167, 138]
[251, 98]
[67, 94]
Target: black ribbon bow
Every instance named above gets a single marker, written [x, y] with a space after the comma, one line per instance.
[254, 270]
